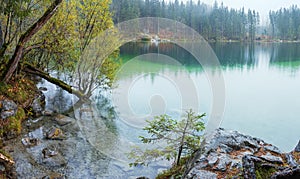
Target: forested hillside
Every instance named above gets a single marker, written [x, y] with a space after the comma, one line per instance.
[213, 23]
[216, 22]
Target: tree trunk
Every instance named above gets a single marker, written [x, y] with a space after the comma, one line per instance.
[15, 59]
[35, 71]
[179, 155]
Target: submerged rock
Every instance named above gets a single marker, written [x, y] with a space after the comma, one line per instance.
[56, 160]
[55, 134]
[30, 142]
[47, 152]
[43, 89]
[63, 120]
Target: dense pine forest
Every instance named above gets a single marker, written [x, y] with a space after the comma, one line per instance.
[285, 23]
[215, 22]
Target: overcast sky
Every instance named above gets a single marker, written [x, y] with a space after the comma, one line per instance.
[262, 6]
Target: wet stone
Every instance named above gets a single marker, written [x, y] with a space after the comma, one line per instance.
[48, 152]
[55, 134]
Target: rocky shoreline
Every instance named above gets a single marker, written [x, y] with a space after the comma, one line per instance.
[52, 146]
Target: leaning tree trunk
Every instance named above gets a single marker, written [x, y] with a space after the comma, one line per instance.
[15, 59]
[35, 71]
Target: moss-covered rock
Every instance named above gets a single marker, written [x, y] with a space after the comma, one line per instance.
[20, 90]
[12, 126]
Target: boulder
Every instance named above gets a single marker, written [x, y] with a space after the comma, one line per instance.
[232, 154]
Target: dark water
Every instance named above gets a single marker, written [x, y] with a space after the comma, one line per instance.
[262, 83]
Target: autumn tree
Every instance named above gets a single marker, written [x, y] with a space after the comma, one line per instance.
[60, 43]
[25, 37]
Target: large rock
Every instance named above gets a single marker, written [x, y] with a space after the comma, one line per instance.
[232, 154]
[8, 108]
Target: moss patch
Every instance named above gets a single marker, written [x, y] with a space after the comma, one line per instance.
[12, 126]
[263, 172]
[20, 90]
[175, 172]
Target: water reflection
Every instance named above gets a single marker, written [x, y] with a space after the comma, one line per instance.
[230, 55]
[262, 84]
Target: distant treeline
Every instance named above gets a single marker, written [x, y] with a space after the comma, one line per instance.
[285, 23]
[214, 23]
